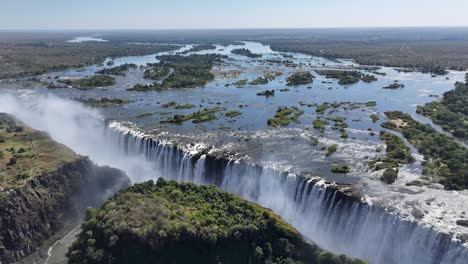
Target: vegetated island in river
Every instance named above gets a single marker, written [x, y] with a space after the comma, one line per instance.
[347, 77]
[200, 47]
[300, 77]
[245, 52]
[444, 158]
[118, 70]
[451, 113]
[44, 187]
[170, 222]
[187, 72]
[88, 83]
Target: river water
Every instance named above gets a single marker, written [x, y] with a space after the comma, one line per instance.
[248, 137]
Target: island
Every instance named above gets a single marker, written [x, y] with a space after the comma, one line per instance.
[284, 116]
[200, 47]
[118, 70]
[451, 113]
[170, 222]
[199, 116]
[444, 158]
[395, 85]
[95, 81]
[347, 77]
[299, 78]
[245, 52]
[175, 71]
[104, 102]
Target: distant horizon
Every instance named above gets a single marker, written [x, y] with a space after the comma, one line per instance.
[241, 14]
[233, 28]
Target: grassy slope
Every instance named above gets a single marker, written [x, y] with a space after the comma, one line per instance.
[34, 151]
[185, 223]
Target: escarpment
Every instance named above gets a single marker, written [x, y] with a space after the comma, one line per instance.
[42, 186]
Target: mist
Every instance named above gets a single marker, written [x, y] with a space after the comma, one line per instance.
[76, 126]
[331, 219]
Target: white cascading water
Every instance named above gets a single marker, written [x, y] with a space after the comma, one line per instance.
[327, 217]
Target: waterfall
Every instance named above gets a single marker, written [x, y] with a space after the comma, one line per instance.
[332, 219]
[199, 171]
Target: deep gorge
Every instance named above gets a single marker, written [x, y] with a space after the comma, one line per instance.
[337, 220]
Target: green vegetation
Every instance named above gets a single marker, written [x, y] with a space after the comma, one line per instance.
[374, 117]
[169, 104]
[169, 222]
[445, 159]
[313, 141]
[299, 78]
[245, 52]
[26, 153]
[320, 124]
[331, 149]
[184, 106]
[119, 70]
[187, 72]
[90, 82]
[338, 168]
[266, 78]
[266, 93]
[177, 106]
[200, 47]
[204, 115]
[143, 87]
[105, 101]
[144, 114]
[34, 56]
[389, 176]
[321, 108]
[451, 113]
[339, 124]
[394, 85]
[241, 82]
[368, 78]
[346, 77]
[259, 81]
[284, 116]
[156, 72]
[397, 153]
[233, 113]
[399, 49]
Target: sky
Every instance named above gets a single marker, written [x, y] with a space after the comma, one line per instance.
[201, 14]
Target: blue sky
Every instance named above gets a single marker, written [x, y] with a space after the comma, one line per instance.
[169, 14]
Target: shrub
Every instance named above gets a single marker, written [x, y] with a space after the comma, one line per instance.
[331, 149]
[12, 161]
[389, 176]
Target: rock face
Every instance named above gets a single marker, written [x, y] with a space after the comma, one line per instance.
[462, 223]
[32, 213]
[170, 222]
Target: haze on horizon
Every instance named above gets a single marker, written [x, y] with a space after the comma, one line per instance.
[201, 14]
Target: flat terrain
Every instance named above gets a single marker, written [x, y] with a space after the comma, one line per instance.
[32, 57]
[26, 153]
[35, 52]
